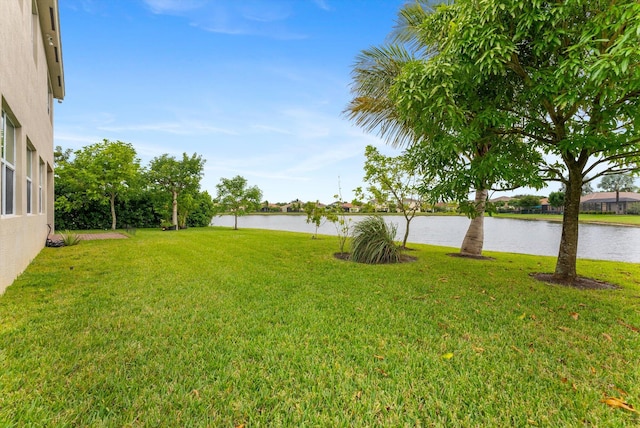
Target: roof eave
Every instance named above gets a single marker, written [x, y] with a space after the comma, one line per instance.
[50, 25]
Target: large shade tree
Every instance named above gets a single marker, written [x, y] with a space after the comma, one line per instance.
[447, 121]
[103, 172]
[177, 177]
[576, 66]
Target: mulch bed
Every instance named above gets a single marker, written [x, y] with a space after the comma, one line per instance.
[580, 282]
[403, 257]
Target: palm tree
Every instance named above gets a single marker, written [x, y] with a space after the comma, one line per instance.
[449, 135]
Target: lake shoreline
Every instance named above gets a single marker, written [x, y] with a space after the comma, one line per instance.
[502, 234]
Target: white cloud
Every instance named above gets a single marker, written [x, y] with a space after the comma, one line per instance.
[322, 4]
[250, 17]
[174, 6]
[176, 128]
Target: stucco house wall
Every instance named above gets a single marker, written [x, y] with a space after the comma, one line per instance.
[31, 77]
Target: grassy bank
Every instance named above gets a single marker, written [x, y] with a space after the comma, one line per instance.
[215, 327]
[619, 219]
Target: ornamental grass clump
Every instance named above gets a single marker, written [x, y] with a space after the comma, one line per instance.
[70, 238]
[373, 242]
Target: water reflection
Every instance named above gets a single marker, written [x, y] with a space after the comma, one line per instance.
[599, 242]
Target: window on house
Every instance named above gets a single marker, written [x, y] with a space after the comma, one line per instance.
[40, 183]
[29, 179]
[7, 166]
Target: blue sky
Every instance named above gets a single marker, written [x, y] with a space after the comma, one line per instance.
[257, 87]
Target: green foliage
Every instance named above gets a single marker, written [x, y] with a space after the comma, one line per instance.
[236, 197]
[556, 199]
[393, 180]
[202, 211]
[335, 213]
[94, 183]
[618, 183]
[138, 202]
[494, 84]
[315, 215]
[177, 178]
[108, 170]
[70, 238]
[373, 242]
[526, 202]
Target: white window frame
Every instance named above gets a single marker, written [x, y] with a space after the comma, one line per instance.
[40, 183]
[8, 207]
[29, 175]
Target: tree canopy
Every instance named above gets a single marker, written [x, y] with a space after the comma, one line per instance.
[618, 183]
[392, 178]
[559, 79]
[176, 176]
[237, 197]
[99, 180]
[445, 116]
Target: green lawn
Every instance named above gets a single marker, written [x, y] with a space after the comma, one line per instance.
[215, 327]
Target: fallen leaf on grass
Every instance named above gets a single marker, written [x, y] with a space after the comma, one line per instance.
[515, 348]
[617, 403]
[382, 372]
[629, 326]
[606, 336]
[357, 395]
[477, 348]
[378, 357]
[521, 317]
[621, 391]
[563, 328]
[447, 356]
[593, 370]
[574, 315]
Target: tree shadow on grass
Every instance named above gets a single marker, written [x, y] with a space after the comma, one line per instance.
[404, 258]
[465, 256]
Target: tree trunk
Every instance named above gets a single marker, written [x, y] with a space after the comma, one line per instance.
[474, 239]
[235, 221]
[408, 218]
[174, 218]
[113, 211]
[406, 235]
[567, 254]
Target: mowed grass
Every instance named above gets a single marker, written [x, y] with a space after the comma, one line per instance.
[215, 327]
[614, 219]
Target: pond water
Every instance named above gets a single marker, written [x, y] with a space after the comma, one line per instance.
[600, 242]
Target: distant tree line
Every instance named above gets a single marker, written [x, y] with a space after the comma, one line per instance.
[104, 186]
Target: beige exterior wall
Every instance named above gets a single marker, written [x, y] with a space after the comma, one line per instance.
[31, 77]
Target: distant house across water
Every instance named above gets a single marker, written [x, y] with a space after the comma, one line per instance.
[611, 202]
